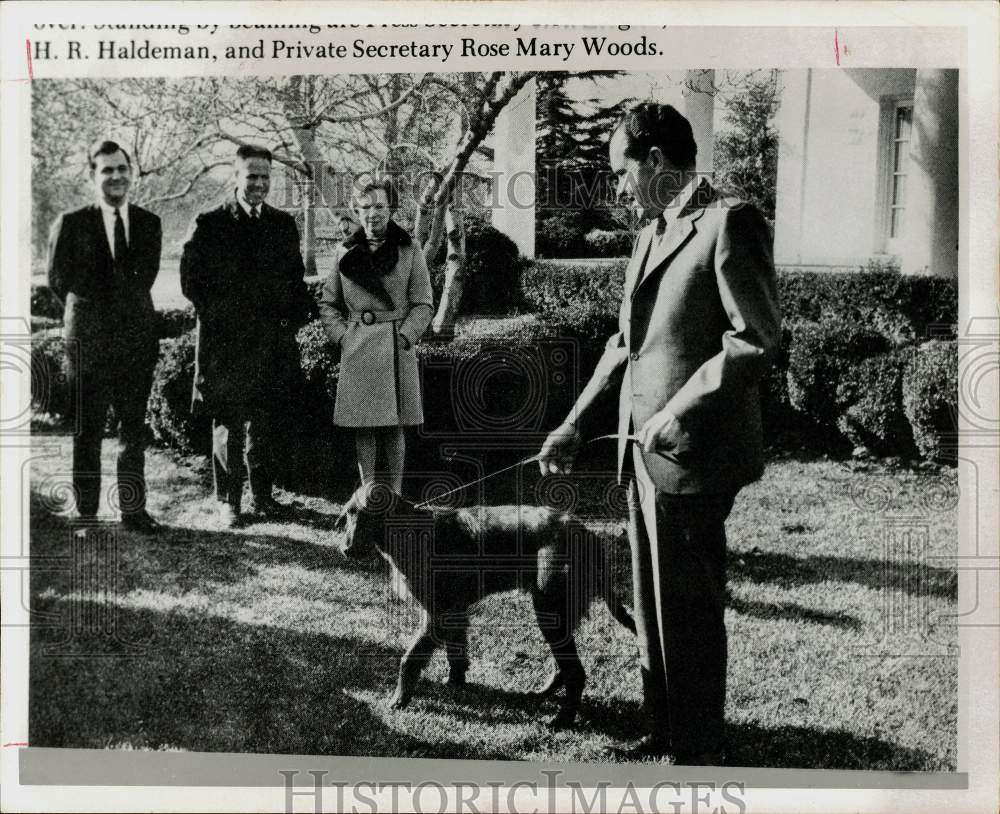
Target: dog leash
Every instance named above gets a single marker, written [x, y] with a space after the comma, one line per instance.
[518, 465]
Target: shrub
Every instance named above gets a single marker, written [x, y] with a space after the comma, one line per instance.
[819, 356]
[174, 322]
[169, 408]
[44, 324]
[902, 308]
[548, 287]
[492, 271]
[870, 396]
[930, 399]
[561, 236]
[319, 360]
[44, 303]
[50, 391]
[605, 243]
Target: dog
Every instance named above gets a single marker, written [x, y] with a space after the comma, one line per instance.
[449, 560]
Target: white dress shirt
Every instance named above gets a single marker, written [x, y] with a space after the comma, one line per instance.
[108, 216]
[247, 207]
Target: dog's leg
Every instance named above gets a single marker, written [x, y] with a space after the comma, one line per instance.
[412, 664]
[456, 645]
[552, 615]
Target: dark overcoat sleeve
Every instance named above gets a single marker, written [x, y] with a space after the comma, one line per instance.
[61, 261]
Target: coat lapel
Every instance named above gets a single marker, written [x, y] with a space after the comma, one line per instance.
[678, 234]
[635, 265]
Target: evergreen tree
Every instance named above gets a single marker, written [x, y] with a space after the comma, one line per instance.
[746, 154]
[573, 177]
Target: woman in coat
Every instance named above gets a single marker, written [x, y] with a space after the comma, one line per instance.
[375, 305]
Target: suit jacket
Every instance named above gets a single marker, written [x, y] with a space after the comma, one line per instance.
[698, 326]
[245, 279]
[109, 319]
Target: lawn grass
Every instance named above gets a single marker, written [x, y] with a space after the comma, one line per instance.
[265, 639]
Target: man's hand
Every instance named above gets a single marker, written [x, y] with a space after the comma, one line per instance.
[655, 433]
[559, 450]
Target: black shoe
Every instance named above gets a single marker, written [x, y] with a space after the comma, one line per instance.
[140, 521]
[651, 745]
[270, 508]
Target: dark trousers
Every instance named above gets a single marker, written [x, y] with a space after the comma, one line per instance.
[678, 547]
[126, 390]
[234, 437]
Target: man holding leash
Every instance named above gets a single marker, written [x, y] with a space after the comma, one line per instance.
[698, 325]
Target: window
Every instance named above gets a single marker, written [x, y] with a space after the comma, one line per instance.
[895, 136]
[900, 165]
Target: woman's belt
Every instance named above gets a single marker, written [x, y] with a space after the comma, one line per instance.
[371, 317]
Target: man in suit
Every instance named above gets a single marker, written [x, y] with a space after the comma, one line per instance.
[242, 269]
[698, 325]
[103, 259]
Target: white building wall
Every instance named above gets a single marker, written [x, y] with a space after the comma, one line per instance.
[828, 165]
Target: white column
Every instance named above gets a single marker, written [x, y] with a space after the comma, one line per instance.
[513, 196]
[930, 220]
[699, 108]
[792, 122]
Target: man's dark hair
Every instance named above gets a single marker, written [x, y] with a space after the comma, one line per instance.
[245, 151]
[106, 147]
[649, 124]
[384, 184]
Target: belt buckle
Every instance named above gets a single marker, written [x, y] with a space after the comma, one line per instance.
[367, 317]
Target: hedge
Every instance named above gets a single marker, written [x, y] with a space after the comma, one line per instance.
[870, 397]
[903, 308]
[850, 374]
[607, 243]
[550, 287]
[44, 303]
[169, 408]
[50, 391]
[930, 400]
[819, 357]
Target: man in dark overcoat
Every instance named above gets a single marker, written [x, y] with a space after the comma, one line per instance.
[102, 261]
[698, 327]
[242, 269]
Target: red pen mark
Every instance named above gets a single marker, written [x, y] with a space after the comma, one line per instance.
[31, 74]
[14, 744]
[836, 47]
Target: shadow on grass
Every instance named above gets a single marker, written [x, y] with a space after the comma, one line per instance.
[787, 571]
[209, 684]
[198, 556]
[188, 679]
[779, 747]
[791, 612]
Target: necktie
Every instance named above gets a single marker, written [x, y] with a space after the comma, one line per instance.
[661, 225]
[255, 213]
[121, 245]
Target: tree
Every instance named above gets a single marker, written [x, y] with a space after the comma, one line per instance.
[746, 154]
[574, 183]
